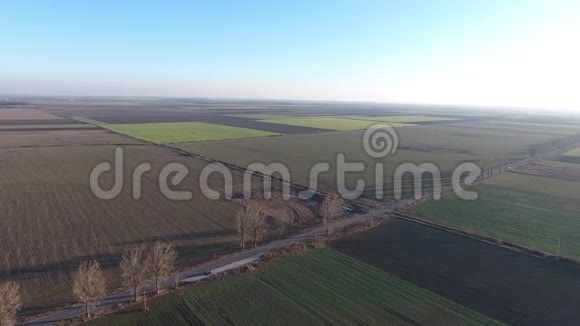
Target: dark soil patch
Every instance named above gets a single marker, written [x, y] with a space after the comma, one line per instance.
[569, 159]
[11, 104]
[506, 285]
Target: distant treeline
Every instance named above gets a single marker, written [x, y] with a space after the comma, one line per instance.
[11, 104]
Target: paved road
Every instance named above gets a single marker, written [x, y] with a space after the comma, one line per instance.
[195, 274]
[238, 259]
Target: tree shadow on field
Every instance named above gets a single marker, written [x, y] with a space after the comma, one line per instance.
[188, 255]
[197, 251]
[179, 237]
[105, 260]
[38, 309]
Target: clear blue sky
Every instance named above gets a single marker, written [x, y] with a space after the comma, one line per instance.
[506, 52]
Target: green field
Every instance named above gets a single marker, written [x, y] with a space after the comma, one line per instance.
[257, 116]
[563, 128]
[526, 127]
[575, 152]
[330, 123]
[321, 287]
[179, 132]
[540, 185]
[401, 118]
[572, 156]
[526, 210]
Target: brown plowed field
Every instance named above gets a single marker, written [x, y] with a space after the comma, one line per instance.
[36, 122]
[292, 211]
[508, 286]
[47, 128]
[50, 220]
[26, 114]
[65, 137]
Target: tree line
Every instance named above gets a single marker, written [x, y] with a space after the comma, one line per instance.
[138, 265]
[154, 263]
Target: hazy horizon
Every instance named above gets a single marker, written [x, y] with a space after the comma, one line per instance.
[508, 54]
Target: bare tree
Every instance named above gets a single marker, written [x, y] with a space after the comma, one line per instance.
[242, 223]
[251, 223]
[10, 303]
[330, 210]
[89, 284]
[281, 229]
[161, 261]
[133, 268]
[257, 225]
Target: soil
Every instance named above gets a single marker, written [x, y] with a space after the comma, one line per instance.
[503, 284]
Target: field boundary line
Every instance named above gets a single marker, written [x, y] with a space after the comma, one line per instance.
[296, 187]
[510, 167]
[485, 239]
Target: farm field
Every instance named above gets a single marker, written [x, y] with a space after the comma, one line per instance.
[505, 285]
[489, 143]
[66, 137]
[37, 122]
[573, 156]
[300, 152]
[556, 118]
[575, 152]
[319, 287]
[199, 118]
[536, 212]
[540, 185]
[51, 220]
[51, 126]
[331, 123]
[553, 169]
[26, 114]
[185, 132]
[552, 127]
[32, 120]
[257, 116]
[444, 145]
[55, 221]
[402, 118]
[511, 126]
